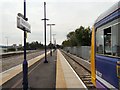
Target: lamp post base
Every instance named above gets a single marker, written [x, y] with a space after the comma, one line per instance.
[45, 61]
[50, 53]
[25, 75]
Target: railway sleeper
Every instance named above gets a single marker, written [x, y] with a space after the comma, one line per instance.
[87, 82]
[86, 78]
[92, 88]
[90, 85]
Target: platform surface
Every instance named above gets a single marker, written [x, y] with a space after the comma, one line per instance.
[55, 74]
[10, 73]
[69, 77]
[40, 75]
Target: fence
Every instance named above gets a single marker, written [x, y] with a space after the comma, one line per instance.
[81, 51]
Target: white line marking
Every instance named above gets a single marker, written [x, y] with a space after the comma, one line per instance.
[76, 74]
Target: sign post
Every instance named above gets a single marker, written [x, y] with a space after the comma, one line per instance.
[24, 25]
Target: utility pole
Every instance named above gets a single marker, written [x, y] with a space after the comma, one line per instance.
[45, 31]
[7, 43]
[51, 37]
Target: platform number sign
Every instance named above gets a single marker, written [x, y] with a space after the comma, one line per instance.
[22, 23]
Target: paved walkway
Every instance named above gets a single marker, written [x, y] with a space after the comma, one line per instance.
[40, 75]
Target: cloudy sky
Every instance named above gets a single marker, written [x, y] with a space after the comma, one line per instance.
[66, 14]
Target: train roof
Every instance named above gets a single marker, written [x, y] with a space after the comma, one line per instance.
[111, 12]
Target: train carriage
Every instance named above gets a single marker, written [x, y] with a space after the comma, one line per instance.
[105, 49]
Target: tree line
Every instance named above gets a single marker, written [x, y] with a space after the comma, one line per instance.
[80, 37]
[34, 45]
[29, 46]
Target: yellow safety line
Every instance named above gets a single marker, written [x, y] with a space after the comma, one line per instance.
[60, 79]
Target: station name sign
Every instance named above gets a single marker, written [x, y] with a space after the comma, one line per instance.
[22, 23]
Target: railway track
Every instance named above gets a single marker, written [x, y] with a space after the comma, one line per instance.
[9, 54]
[15, 60]
[83, 72]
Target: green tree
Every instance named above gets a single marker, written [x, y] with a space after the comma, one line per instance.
[72, 39]
[66, 43]
[81, 37]
[34, 45]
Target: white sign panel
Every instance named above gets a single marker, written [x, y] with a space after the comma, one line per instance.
[21, 23]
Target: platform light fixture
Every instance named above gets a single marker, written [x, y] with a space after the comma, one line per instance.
[51, 37]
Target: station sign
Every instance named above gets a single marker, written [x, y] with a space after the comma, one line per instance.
[23, 24]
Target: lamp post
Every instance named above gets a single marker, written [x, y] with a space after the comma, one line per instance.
[50, 37]
[45, 31]
[54, 40]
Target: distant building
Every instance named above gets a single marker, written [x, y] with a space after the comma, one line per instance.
[14, 47]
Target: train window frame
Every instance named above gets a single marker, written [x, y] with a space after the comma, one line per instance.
[107, 41]
[116, 40]
[103, 54]
[99, 45]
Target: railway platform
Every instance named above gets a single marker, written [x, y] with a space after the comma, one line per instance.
[55, 74]
[66, 77]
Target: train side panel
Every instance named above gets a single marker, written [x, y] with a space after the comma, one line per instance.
[106, 71]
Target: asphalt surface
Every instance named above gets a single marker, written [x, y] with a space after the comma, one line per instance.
[40, 76]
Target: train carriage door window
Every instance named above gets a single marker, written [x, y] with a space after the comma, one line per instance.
[116, 40]
[107, 41]
[99, 41]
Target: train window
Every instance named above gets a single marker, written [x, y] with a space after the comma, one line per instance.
[116, 40]
[99, 41]
[107, 41]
